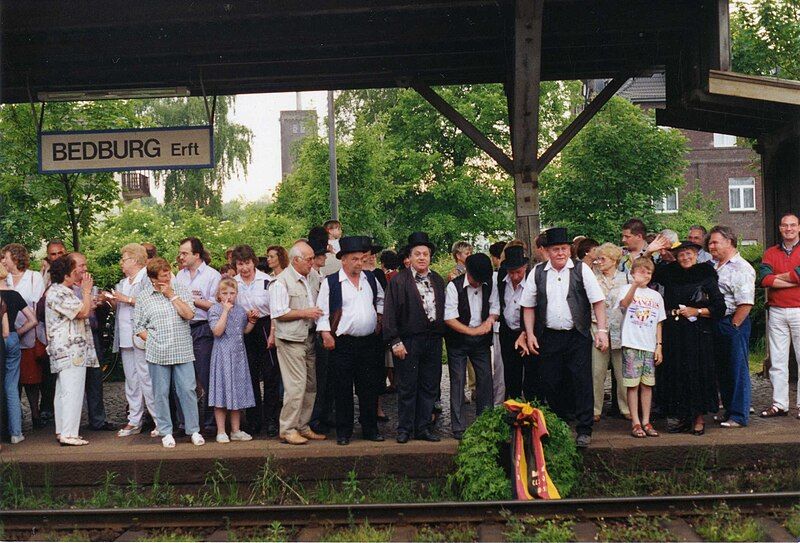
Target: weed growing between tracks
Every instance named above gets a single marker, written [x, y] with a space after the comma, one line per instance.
[446, 532]
[634, 528]
[725, 524]
[359, 532]
[555, 530]
[792, 523]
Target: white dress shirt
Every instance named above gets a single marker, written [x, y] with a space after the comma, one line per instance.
[279, 297]
[511, 307]
[558, 315]
[125, 311]
[475, 301]
[359, 316]
[255, 295]
[203, 286]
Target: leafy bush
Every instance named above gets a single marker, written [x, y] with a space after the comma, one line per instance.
[479, 473]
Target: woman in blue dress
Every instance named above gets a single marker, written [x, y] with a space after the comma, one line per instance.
[230, 388]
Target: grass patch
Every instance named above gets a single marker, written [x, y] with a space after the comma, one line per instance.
[457, 533]
[792, 523]
[634, 528]
[274, 532]
[538, 529]
[359, 532]
[166, 535]
[725, 524]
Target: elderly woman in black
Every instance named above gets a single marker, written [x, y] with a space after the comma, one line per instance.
[685, 382]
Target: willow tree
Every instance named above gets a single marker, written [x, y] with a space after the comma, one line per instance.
[202, 188]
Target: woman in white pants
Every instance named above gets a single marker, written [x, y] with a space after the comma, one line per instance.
[138, 386]
[70, 345]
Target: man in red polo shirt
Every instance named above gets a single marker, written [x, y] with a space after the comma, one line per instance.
[779, 273]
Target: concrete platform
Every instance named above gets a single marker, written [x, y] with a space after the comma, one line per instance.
[141, 458]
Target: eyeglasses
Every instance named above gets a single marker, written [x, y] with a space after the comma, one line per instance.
[124, 258]
[305, 258]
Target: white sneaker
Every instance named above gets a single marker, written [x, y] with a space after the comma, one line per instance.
[241, 436]
[154, 432]
[17, 439]
[223, 438]
[168, 441]
[125, 432]
[197, 439]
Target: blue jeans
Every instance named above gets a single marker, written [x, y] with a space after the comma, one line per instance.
[733, 368]
[185, 383]
[11, 385]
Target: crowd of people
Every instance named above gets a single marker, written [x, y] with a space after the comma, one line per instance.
[279, 345]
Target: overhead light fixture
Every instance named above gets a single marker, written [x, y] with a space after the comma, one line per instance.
[115, 94]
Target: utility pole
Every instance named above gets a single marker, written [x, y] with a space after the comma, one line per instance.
[334, 189]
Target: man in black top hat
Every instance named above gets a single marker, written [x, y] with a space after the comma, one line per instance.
[519, 372]
[352, 304]
[413, 324]
[558, 299]
[470, 310]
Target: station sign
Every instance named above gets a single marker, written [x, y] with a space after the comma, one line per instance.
[173, 148]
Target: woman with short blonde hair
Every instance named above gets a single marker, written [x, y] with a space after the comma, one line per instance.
[611, 282]
[138, 386]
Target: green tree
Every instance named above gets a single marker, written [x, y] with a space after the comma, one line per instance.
[765, 38]
[695, 208]
[404, 167]
[202, 188]
[612, 170]
[35, 206]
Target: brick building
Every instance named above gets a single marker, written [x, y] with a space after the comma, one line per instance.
[720, 168]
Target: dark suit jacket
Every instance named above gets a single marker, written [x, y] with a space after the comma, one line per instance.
[403, 313]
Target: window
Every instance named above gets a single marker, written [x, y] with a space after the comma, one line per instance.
[667, 204]
[742, 194]
[724, 140]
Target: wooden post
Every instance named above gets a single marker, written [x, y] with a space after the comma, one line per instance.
[524, 114]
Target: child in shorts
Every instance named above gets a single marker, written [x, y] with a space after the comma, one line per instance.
[643, 312]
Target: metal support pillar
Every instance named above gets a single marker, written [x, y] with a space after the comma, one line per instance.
[524, 114]
[334, 182]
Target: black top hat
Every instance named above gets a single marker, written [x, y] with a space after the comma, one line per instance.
[685, 245]
[375, 248]
[479, 267]
[515, 258]
[555, 236]
[354, 244]
[320, 246]
[420, 238]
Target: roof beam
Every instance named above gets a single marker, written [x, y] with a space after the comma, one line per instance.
[469, 129]
[580, 121]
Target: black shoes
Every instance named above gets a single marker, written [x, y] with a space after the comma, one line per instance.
[402, 437]
[681, 427]
[343, 441]
[377, 437]
[427, 435]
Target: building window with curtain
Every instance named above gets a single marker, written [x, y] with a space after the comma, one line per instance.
[742, 194]
[667, 204]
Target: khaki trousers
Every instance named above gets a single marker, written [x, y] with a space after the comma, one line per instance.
[297, 360]
[600, 362]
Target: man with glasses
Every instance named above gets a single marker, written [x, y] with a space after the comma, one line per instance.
[202, 281]
[292, 301]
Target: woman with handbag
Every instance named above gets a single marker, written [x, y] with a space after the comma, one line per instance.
[687, 385]
[22, 323]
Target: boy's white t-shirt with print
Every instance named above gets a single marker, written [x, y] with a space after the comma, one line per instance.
[640, 320]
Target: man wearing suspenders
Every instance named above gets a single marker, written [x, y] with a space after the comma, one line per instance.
[352, 307]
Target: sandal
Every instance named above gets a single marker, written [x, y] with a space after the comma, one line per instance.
[773, 411]
[650, 431]
[637, 431]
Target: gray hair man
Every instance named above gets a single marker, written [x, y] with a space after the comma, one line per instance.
[292, 300]
[699, 235]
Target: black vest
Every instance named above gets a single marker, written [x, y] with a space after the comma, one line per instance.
[464, 313]
[577, 300]
[335, 297]
[501, 293]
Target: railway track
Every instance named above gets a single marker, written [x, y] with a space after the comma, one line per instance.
[309, 522]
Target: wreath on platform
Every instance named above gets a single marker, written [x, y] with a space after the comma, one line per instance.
[480, 473]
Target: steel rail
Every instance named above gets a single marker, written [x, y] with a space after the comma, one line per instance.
[402, 513]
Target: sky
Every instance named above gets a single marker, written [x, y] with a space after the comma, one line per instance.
[261, 114]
